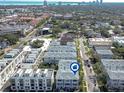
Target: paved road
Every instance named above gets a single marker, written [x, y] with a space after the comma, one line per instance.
[88, 70]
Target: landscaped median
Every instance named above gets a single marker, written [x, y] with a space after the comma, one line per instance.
[82, 87]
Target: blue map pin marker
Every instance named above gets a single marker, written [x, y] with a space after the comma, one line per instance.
[74, 67]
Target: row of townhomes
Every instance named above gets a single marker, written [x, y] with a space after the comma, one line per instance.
[16, 59]
[56, 52]
[113, 67]
[63, 55]
[31, 78]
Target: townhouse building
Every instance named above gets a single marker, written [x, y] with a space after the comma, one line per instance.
[114, 69]
[119, 40]
[32, 80]
[104, 54]
[100, 42]
[65, 78]
[54, 57]
[56, 52]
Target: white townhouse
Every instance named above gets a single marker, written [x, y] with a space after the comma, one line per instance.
[100, 42]
[54, 57]
[32, 80]
[119, 40]
[104, 54]
[65, 78]
[114, 68]
[56, 52]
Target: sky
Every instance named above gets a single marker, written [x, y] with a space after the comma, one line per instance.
[68, 0]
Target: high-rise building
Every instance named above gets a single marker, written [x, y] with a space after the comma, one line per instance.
[45, 2]
[101, 1]
[59, 3]
[97, 1]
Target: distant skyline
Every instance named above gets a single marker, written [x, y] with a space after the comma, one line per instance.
[69, 0]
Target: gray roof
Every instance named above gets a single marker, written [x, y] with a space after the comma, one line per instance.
[47, 73]
[113, 64]
[5, 60]
[9, 54]
[101, 48]
[3, 63]
[12, 53]
[32, 56]
[60, 54]
[115, 75]
[64, 71]
[54, 43]
[66, 75]
[62, 48]
[37, 49]
[112, 61]
[65, 64]
[32, 60]
[114, 68]
[34, 52]
[103, 52]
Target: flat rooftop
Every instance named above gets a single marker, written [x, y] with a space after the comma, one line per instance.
[115, 75]
[64, 71]
[60, 55]
[100, 39]
[103, 52]
[34, 73]
[113, 64]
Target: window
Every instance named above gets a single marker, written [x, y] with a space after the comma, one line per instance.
[74, 80]
[32, 84]
[59, 80]
[48, 88]
[75, 84]
[59, 83]
[40, 84]
[40, 87]
[21, 84]
[67, 83]
[32, 87]
[13, 84]
[13, 87]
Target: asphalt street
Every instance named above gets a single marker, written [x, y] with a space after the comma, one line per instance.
[89, 74]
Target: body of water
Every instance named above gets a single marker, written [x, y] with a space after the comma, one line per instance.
[36, 3]
[49, 3]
